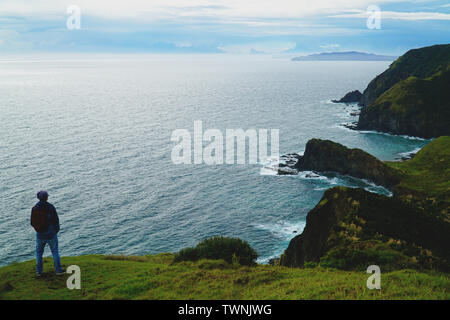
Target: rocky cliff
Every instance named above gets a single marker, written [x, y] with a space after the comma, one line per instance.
[352, 228]
[352, 96]
[325, 155]
[414, 106]
[421, 63]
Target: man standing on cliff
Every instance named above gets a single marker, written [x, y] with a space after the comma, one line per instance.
[45, 221]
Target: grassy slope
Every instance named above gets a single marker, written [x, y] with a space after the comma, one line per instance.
[429, 170]
[420, 106]
[427, 176]
[156, 277]
[352, 228]
[421, 63]
[415, 92]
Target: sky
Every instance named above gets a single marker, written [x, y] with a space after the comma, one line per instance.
[275, 27]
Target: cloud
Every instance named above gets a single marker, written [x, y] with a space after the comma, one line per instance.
[395, 15]
[163, 9]
[205, 25]
[330, 46]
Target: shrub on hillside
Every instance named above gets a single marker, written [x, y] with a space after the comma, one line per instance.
[359, 259]
[232, 250]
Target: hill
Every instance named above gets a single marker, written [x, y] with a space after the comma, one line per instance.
[344, 56]
[352, 228]
[413, 106]
[421, 63]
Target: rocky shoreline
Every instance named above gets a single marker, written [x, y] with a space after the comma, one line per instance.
[352, 96]
[351, 228]
[326, 155]
[410, 98]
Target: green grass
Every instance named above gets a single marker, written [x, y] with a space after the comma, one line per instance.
[157, 277]
[421, 63]
[428, 173]
[412, 106]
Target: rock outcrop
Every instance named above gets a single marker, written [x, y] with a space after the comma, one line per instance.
[415, 107]
[288, 164]
[421, 63]
[351, 97]
[326, 155]
[352, 228]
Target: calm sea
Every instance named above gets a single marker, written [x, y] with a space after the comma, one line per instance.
[95, 132]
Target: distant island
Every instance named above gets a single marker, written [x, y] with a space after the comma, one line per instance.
[344, 56]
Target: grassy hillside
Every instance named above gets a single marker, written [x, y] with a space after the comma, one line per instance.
[426, 178]
[429, 170]
[421, 63]
[157, 277]
[353, 228]
[413, 106]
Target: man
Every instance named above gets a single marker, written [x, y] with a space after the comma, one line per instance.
[45, 221]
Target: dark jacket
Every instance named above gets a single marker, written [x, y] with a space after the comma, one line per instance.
[52, 218]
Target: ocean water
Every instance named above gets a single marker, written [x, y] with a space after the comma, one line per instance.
[95, 132]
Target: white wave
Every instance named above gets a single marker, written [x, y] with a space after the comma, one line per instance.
[311, 175]
[375, 188]
[409, 153]
[266, 260]
[285, 230]
[393, 135]
[272, 165]
[343, 126]
[268, 171]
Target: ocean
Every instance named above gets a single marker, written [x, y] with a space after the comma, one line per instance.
[95, 132]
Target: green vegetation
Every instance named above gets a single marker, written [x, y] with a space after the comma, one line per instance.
[425, 181]
[231, 250]
[413, 106]
[326, 155]
[421, 63]
[157, 277]
[428, 172]
[365, 254]
[352, 228]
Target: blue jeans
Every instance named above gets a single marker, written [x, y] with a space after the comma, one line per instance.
[53, 244]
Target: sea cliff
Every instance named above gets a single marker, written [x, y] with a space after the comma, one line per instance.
[352, 228]
[411, 97]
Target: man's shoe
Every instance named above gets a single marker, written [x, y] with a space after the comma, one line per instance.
[38, 275]
[60, 273]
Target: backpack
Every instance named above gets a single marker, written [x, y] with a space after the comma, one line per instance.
[39, 219]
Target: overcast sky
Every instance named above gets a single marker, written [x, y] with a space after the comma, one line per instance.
[232, 26]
